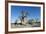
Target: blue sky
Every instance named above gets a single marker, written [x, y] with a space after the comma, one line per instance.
[34, 12]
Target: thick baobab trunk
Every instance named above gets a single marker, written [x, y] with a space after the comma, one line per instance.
[24, 14]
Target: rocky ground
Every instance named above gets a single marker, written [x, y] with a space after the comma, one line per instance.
[25, 26]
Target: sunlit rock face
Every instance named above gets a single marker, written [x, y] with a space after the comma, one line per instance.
[23, 22]
[18, 21]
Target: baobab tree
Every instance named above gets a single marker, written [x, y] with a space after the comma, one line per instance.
[24, 14]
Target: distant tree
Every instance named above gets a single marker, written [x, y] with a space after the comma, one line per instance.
[30, 21]
[33, 21]
[37, 20]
